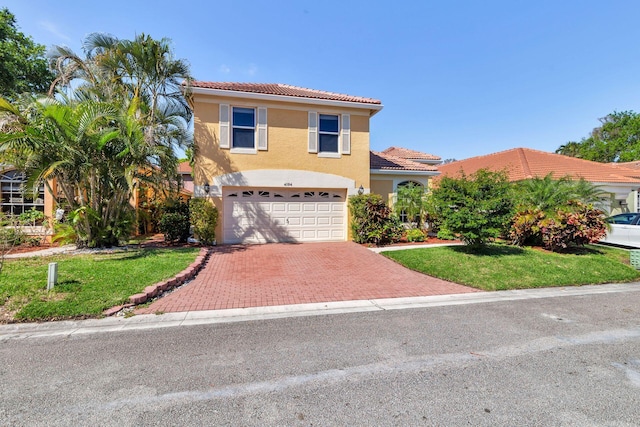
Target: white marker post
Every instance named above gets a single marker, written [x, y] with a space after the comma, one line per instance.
[52, 278]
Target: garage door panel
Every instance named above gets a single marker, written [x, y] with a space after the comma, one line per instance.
[259, 215]
[263, 207]
[296, 234]
[293, 220]
[323, 234]
[308, 234]
[294, 207]
[309, 220]
[279, 207]
[324, 220]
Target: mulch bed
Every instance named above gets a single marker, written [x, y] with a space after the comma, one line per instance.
[155, 241]
[30, 248]
[404, 242]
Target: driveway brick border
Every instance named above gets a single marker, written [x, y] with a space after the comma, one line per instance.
[156, 289]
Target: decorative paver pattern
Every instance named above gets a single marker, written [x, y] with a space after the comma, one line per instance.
[279, 274]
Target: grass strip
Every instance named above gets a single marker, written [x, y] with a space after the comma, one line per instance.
[500, 267]
[87, 284]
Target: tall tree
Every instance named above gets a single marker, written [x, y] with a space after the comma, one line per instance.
[23, 64]
[103, 134]
[616, 140]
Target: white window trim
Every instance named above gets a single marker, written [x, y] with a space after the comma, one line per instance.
[244, 150]
[331, 154]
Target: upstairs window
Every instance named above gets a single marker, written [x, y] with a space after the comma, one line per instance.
[328, 133]
[244, 128]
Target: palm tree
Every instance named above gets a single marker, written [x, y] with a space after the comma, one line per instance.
[114, 119]
[548, 194]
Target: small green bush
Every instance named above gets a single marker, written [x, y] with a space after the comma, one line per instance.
[478, 207]
[31, 217]
[415, 235]
[174, 226]
[204, 218]
[174, 221]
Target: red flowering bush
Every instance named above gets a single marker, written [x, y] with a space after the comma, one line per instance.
[577, 224]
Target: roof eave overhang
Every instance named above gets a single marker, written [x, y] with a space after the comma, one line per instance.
[373, 108]
[402, 172]
[427, 161]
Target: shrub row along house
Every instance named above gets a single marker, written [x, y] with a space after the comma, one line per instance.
[280, 162]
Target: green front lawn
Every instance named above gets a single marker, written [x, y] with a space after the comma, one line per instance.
[87, 284]
[500, 267]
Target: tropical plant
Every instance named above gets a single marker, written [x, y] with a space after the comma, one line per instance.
[575, 227]
[575, 224]
[477, 208]
[371, 220]
[113, 125]
[415, 235]
[549, 194]
[410, 203]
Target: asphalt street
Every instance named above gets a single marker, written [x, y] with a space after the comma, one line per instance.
[556, 361]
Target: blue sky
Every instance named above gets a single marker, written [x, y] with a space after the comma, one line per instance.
[457, 78]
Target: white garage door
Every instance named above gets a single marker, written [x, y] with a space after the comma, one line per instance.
[258, 215]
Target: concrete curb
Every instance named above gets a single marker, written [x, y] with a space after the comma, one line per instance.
[407, 247]
[156, 289]
[192, 318]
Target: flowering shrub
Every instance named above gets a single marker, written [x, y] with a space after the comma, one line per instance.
[576, 224]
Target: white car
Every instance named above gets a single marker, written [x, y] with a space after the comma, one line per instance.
[624, 230]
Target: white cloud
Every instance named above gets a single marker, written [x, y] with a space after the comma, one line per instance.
[224, 69]
[53, 29]
[253, 69]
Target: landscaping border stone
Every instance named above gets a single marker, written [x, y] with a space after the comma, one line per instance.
[156, 289]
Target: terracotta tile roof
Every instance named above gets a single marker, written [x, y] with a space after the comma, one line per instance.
[629, 165]
[406, 153]
[184, 167]
[382, 161]
[525, 163]
[187, 187]
[284, 90]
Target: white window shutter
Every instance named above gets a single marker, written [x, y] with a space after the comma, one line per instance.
[313, 132]
[262, 128]
[224, 126]
[346, 134]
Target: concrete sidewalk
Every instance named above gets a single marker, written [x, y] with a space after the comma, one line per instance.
[191, 318]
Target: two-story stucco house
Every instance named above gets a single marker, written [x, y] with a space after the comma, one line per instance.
[279, 161]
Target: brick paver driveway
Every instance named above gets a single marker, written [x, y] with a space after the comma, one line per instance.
[279, 274]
